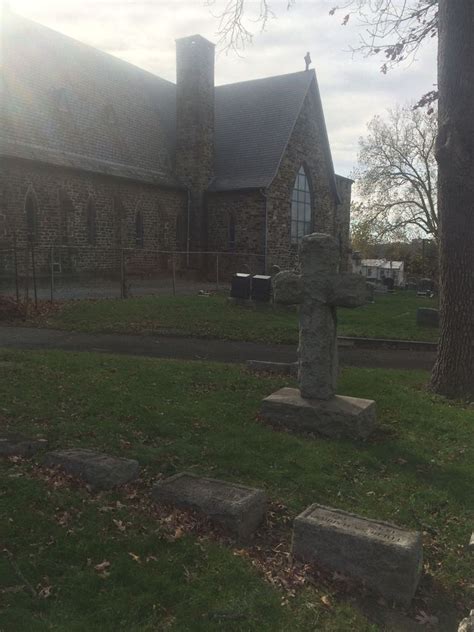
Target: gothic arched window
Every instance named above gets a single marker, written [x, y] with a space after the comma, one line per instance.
[91, 222]
[300, 207]
[31, 213]
[139, 232]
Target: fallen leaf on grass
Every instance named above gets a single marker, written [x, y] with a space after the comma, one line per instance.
[326, 601]
[119, 524]
[426, 619]
[102, 568]
[135, 558]
[45, 591]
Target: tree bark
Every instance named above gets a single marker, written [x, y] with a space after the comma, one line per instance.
[453, 373]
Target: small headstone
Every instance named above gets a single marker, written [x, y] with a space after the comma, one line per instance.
[18, 445]
[425, 287]
[241, 286]
[467, 624]
[384, 557]
[237, 508]
[100, 471]
[261, 288]
[370, 291]
[427, 317]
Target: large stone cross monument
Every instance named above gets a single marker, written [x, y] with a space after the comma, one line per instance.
[319, 290]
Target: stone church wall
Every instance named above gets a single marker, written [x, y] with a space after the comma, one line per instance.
[236, 224]
[66, 201]
[304, 148]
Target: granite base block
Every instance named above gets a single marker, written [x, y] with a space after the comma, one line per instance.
[339, 417]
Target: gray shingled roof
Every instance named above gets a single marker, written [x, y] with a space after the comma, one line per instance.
[254, 121]
[66, 103]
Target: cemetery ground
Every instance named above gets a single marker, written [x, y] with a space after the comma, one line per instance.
[392, 316]
[75, 560]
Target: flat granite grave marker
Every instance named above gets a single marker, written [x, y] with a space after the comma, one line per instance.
[319, 289]
[12, 444]
[237, 508]
[381, 555]
[100, 471]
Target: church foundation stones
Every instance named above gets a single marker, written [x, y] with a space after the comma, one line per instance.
[236, 508]
[382, 556]
[100, 471]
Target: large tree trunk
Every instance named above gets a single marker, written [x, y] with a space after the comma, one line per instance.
[453, 373]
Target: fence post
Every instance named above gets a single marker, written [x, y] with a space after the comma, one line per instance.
[27, 279]
[173, 266]
[15, 265]
[217, 272]
[33, 266]
[123, 280]
[52, 273]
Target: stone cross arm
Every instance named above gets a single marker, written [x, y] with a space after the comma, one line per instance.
[338, 290]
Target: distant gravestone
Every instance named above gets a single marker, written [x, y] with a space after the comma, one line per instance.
[425, 287]
[427, 317]
[100, 471]
[237, 508]
[319, 289]
[12, 444]
[241, 286]
[382, 556]
[370, 291]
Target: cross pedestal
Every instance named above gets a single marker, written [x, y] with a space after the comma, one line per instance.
[319, 290]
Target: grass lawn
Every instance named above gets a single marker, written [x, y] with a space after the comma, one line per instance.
[391, 316]
[165, 571]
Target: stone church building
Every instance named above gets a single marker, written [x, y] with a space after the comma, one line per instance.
[97, 155]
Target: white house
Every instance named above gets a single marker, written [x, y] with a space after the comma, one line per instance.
[376, 270]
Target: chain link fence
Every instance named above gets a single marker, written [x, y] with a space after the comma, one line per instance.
[36, 273]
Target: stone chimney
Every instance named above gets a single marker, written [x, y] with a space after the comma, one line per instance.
[195, 126]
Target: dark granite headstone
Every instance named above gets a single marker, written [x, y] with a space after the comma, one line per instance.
[241, 286]
[427, 317]
[261, 288]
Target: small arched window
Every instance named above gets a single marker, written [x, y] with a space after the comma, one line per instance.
[232, 242]
[300, 208]
[31, 214]
[91, 222]
[119, 216]
[139, 231]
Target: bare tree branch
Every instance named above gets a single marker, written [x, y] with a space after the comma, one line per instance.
[397, 174]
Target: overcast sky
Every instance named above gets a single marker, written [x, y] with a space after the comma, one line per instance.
[353, 89]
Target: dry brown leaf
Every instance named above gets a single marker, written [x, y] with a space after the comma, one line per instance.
[326, 601]
[103, 566]
[135, 558]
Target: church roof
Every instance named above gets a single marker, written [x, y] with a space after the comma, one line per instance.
[254, 121]
[66, 103]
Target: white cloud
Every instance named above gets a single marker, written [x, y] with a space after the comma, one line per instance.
[353, 89]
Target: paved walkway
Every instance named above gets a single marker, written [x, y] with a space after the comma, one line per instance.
[200, 349]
